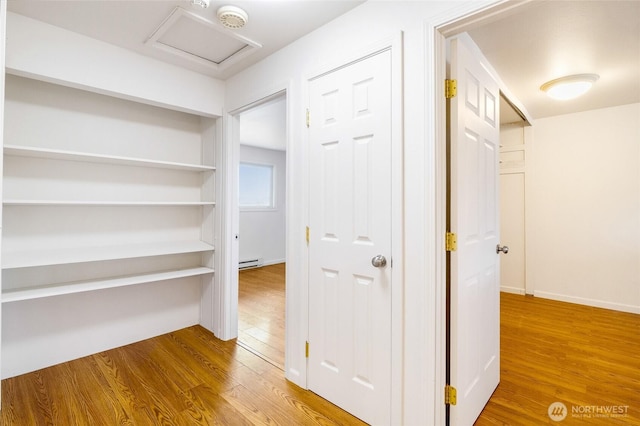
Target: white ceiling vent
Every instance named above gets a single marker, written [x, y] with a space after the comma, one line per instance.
[193, 37]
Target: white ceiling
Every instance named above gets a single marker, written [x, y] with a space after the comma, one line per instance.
[545, 40]
[131, 23]
[265, 126]
[540, 41]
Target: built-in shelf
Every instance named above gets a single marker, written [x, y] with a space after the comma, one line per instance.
[35, 257]
[55, 154]
[110, 219]
[16, 295]
[106, 203]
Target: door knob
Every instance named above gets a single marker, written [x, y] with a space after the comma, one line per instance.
[379, 261]
[504, 249]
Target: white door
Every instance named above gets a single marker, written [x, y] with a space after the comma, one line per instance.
[475, 269]
[350, 224]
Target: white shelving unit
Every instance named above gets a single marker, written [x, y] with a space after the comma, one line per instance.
[102, 196]
[78, 184]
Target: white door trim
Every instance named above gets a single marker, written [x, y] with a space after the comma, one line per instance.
[226, 312]
[394, 45]
[225, 321]
[295, 251]
[529, 279]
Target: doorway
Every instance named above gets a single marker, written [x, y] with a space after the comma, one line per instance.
[261, 219]
[557, 165]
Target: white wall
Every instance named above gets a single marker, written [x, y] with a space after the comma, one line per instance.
[417, 385]
[262, 232]
[45, 52]
[585, 208]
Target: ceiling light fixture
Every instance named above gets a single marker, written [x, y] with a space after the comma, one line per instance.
[202, 3]
[232, 17]
[569, 87]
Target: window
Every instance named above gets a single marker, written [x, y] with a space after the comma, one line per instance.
[256, 186]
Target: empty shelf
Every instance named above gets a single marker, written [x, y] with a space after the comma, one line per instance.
[29, 293]
[31, 258]
[55, 154]
[14, 202]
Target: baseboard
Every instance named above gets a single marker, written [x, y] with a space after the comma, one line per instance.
[514, 290]
[262, 264]
[589, 302]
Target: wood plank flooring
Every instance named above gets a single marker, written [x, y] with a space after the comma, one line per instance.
[261, 307]
[587, 358]
[187, 377]
[551, 351]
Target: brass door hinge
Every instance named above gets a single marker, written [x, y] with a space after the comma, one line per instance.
[450, 395]
[306, 349]
[307, 235]
[450, 88]
[451, 241]
[308, 120]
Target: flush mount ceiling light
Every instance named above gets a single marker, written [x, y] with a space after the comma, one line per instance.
[232, 17]
[202, 3]
[569, 87]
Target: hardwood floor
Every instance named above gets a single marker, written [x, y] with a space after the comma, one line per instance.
[187, 377]
[261, 307]
[584, 357]
[587, 358]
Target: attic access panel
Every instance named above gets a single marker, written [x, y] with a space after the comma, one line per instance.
[198, 39]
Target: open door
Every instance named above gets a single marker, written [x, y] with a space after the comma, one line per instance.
[474, 278]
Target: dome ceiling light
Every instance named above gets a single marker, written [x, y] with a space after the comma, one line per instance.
[569, 87]
[232, 17]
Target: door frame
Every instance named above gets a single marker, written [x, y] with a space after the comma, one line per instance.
[226, 315]
[438, 31]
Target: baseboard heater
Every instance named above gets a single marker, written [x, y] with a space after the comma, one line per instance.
[251, 263]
